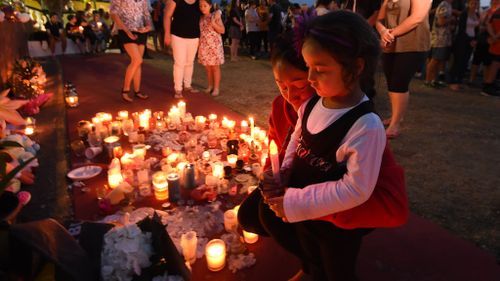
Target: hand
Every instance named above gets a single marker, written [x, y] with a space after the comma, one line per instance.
[168, 39]
[269, 187]
[276, 205]
[386, 38]
[145, 29]
[131, 35]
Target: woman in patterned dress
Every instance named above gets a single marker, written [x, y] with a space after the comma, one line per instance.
[133, 21]
[211, 51]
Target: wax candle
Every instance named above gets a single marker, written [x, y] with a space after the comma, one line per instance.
[252, 127]
[262, 135]
[144, 119]
[189, 242]
[230, 220]
[172, 158]
[127, 161]
[244, 126]
[215, 252]
[218, 169]
[200, 122]
[182, 108]
[30, 126]
[205, 155]
[250, 237]
[72, 101]
[160, 186]
[275, 161]
[231, 159]
[115, 128]
[139, 150]
[212, 117]
[123, 114]
[114, 178]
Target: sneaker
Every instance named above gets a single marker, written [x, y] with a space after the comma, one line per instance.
[490, 92]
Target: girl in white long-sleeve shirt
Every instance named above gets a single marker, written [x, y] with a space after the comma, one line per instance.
[335, 152]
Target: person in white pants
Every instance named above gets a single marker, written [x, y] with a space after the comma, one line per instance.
[184, 51]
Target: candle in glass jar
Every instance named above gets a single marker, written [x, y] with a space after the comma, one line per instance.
[231, 159]
[189, 242]
[230, 220]
[72, 101]
[139, 150]
[244, 126]
[250, 237]
[262, 135]
[30, 126]
[114, 178]
[205, 155]
[215, 252]
[160, 186]
[200, 122]
[144, 120]
[127, 161]
[123, 114]
[218, 169]
[172, 158]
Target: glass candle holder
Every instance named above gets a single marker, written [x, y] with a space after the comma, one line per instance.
[215, 252]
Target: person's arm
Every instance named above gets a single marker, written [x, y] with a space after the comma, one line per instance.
[386, 37]
[113, 13]
[420, 9]
[167, 20]
[373, 18]
[217, 23]
[363, 151]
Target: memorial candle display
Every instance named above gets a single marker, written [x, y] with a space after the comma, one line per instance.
[160, 186]
[250, 237]
[215, 252]
[275, 161]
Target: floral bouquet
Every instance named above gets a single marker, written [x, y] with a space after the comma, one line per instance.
[28, 82]
[142, 251]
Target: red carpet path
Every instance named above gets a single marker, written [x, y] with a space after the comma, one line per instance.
[419, 251]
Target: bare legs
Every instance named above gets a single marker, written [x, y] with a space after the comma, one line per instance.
[234, 49]
[133, 72]
[399, 105]
[214, 76]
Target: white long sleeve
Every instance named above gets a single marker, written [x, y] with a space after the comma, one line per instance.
[361, 148]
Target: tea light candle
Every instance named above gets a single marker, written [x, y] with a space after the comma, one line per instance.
[189, 242]
[231, 159]
[218, 169]
[200, 122]
[123, 114]
[244, 126]
[114, 178]
[215, 252]
[250, 237]
[172, 158]
[160, 186]
[231, 124]
[182, 108]
[230, 220]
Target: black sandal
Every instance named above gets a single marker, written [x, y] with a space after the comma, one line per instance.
[126, 97]
[141, 95]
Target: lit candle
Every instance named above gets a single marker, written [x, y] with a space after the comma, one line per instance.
[111, 142]
[250, 237]
[160, 186]
[72, 101]
[252, 127]
[182, 108]
[244, 126]
[123, 114]
[114, 178]
[230, 220]
[189, 242]
[231, 159]
[200, 122]
[127, 161]
[218, 169]
[231, 124]
[205, 155]
[215, 252]
[139, 150]
[275, 161]
[212, 117]
[262, 135]
[30, 126]
[144, 119]
[81, 28]
[172, 158]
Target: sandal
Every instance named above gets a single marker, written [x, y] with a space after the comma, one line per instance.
[126, 97]
[208, 90]
[141, 95]
[178, 95]
[192, 90]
